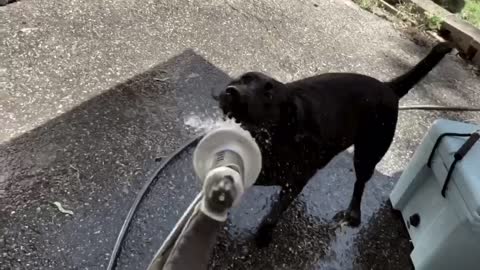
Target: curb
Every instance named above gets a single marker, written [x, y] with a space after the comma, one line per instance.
[465, 36]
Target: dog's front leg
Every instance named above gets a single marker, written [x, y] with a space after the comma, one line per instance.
[287, 195]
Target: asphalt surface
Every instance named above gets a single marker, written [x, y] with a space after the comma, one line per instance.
[93, 92]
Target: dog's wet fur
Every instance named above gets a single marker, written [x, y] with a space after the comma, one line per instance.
[300, 126]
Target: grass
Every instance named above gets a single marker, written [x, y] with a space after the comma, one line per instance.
[433, 22]
[366, 4]
[407, 13]
[471, 12]
[426, 21]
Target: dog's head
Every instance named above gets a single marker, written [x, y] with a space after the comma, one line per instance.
[257, 99]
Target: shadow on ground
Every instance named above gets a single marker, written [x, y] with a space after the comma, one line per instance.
[93, 160]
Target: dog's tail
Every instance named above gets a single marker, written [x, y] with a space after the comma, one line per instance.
[401, 85]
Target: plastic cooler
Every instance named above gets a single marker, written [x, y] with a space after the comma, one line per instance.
[445, 231]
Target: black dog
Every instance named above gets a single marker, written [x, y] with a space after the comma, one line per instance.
[300, 126]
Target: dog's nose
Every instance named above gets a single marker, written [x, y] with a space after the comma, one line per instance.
[232, 91]
[231, 95]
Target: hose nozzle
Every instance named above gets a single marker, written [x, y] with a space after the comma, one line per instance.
[227, 161]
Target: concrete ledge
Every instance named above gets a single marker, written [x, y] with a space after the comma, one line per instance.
[464, 35]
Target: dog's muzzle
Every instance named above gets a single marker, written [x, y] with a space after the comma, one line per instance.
[230, 100]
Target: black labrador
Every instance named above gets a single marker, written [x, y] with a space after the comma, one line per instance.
[300, 126]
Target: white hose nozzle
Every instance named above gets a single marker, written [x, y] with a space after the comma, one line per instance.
[227, 161]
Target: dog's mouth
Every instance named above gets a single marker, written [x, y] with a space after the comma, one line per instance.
[232, 103]
[235, 111]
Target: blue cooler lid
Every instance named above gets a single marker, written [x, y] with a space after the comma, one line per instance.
[466, 174]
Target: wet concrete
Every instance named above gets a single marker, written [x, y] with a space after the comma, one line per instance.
[93, 160]
[307, 237]
[93, 92]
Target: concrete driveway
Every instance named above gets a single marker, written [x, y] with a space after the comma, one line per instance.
[92, 92]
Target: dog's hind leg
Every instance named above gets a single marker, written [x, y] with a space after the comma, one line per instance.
[369, 150]
[352, 216]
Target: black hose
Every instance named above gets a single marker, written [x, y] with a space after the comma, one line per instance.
[440, 108]
[121, 235]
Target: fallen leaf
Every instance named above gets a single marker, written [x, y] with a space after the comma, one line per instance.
[161, 79]
[63, 210]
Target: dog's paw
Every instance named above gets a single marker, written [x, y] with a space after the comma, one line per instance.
[348, 218]
[264, 235]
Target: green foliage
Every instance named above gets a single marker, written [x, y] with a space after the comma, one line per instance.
[471, 12]
[433, 22]
[366, 4]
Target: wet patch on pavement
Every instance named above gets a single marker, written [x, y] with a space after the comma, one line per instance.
[96, 157]
[93, 160]
[164, 203]
[308, 238]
